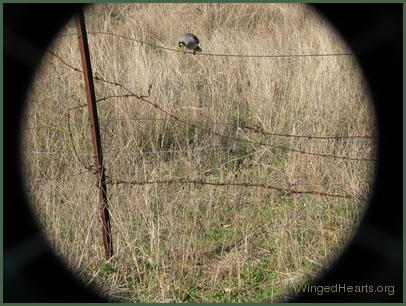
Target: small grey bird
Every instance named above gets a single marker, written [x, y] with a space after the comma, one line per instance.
[189, 41]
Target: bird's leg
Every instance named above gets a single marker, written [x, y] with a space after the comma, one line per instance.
[194, 51]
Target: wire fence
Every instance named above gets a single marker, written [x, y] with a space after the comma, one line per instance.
[223, 148]
[243, 142]
[153, 45]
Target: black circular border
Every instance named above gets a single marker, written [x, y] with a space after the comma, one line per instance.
[374, 257]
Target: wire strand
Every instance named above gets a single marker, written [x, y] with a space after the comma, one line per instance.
[141, 42]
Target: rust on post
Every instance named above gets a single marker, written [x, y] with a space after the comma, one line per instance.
[95, 133]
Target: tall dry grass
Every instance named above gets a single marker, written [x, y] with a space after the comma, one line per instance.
[198, 243]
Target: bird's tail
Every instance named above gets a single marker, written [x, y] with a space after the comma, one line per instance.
[198, 49]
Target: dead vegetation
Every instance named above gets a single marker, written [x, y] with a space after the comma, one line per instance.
[198, 243]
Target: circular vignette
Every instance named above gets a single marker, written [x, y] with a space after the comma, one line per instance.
[33, 273]
[373, 257]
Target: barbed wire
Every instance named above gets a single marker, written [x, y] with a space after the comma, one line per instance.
[143, 98]
[186, 122]
[136, 153]
[118, 119]
[233, 138]
[217, 184]
[262, 131]
[200, 182]
[195, 149]
[242, 127]
[142, 43]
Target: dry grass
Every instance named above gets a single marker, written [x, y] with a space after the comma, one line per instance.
[193, 243]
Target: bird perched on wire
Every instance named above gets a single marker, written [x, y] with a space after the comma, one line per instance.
[189, 41]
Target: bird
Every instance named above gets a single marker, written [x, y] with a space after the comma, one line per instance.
[189, 41]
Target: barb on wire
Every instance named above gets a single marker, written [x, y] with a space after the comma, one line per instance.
[110, 97]
[199, 182]
[63, 61]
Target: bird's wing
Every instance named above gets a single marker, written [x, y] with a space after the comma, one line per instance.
[194, 37]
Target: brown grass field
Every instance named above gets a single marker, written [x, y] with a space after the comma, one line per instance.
[184, 242]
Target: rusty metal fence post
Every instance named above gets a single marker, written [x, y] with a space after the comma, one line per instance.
[95, 133]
